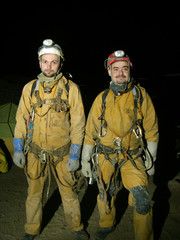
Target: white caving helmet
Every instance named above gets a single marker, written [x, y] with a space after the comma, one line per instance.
[50, 47]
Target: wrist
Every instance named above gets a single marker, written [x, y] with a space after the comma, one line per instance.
[75, 152]
[18, 144]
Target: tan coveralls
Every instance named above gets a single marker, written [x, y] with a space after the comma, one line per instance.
[52, 130]
[119, 115]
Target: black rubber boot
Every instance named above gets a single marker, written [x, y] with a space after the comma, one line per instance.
[102, 233]
[81, 235]
[28, 237]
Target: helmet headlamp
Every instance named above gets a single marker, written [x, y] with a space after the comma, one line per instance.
[118, 55]
[48, 42]
[50, 47]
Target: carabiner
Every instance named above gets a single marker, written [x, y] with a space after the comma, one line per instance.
[138, 132]
[93, 159]
[100, 130]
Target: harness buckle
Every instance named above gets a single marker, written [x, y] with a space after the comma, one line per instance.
[43, 156]
[117, 142]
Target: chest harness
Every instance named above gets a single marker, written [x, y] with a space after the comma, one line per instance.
[113, 186]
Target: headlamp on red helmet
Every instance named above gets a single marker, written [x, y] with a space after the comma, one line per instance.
[118, 55]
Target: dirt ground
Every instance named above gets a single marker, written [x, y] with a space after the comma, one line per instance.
[164, 189]
[13, 188]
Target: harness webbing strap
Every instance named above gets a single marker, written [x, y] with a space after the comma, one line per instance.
[46, 159]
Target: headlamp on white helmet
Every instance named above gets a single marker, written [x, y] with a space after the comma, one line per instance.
[50, 47]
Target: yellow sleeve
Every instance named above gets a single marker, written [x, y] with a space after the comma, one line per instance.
[23, 111]
[77, 114]
[93, 123]
[150, 120]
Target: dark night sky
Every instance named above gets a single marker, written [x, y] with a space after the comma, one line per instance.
[87, 36]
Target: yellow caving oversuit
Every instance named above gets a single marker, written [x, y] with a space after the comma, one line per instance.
[57, 123]
[121, 132]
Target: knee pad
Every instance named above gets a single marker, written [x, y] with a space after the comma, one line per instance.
[141, 199]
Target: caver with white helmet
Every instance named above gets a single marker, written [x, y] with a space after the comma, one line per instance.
[51, 58]
[48, 136]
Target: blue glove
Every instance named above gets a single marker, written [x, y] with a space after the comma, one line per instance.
[72, 163]
[19, 158]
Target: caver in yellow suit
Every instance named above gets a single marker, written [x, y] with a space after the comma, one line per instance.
[121, 128]
[50, 129]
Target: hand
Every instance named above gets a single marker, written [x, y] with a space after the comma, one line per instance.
[72, 165]
[152, 151]
[19, 159]
[86, 169]
[151, 171]
[85, 161]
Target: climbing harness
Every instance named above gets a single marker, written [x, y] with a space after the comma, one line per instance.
[46, 159]
[136, 129]
[58, 104]
[113, 186]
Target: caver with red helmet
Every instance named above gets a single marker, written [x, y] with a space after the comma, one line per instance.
[116, 116]
[118, 55]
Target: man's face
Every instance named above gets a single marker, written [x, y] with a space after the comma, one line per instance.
[49, 64]
[119, 72]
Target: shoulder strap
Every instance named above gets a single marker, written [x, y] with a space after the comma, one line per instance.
[33, 87]
[137, 94]
[68, 76]
[67, 86]
[104, 96]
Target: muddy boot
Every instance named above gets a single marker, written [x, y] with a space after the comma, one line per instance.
[102, 233]
[28, 237]
[81, 235]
